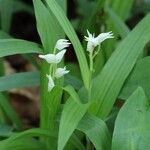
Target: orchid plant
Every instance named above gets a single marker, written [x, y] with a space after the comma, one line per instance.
[100, 101]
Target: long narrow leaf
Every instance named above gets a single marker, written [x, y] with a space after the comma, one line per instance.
[72, 113]
[47, 25]
[96, 130]
[120, 26]
[19, 80]
[10, 113]
[16, 46]
[66, 25]
[109, 82]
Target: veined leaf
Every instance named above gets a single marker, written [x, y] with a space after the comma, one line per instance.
[72, 113]
[67, 27]
[47, 25]
[73, 81]
[19, 80]
[122, 8]
[24, 144]
[108, 83]
[120, 26]
[132, 130]
[96, 130]
[140, 76]
[37, 132]
[4, 35]
[16, 46]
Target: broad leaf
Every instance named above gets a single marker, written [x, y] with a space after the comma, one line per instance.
[108, 83]
[140, 76]
[132, 130]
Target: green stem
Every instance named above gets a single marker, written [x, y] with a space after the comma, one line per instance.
[91, 72]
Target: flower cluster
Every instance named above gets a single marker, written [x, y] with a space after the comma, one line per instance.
[95, 41]
[54, 59]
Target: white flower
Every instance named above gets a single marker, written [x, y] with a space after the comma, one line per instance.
[52, 58]
[61, 72]
[92, 43]
[95, 41]
[50, 82]
[61, 44]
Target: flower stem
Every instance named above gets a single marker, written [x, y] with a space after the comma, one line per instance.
[91, 72]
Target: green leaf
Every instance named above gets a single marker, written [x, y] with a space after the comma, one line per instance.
[76, 143]
[37, 132]
[4, 35]
[67, 27]
[120, 26]
[96, 130]
[73, 81]
[16, 46]
[5, 130]
[72, 113]
[53, 104]
[108, 83]
[132, 130]
[24, 144]
[6, 10]
[122, 8]
[140, 76]
[22, 6]
[72, 93]
[49, 32]
[47, 25]
[30, 58]
[9, 111]
[19, 80]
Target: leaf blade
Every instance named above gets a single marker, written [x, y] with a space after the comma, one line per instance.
[16, 46]
[118, 68]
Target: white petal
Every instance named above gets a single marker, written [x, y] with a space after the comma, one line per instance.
[61, 44]
[61, 72]
[103, 36]
[60, 55]
[50, 58]
[92, 42]
[50, 83]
